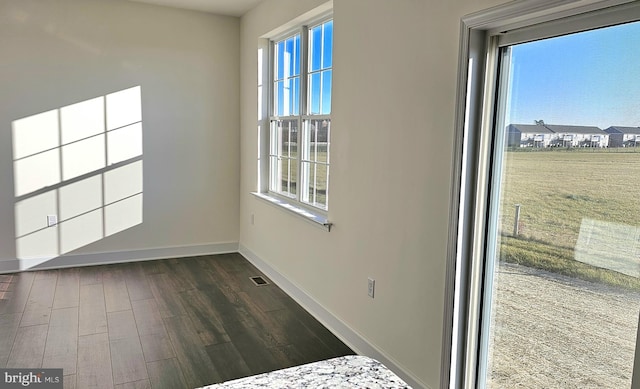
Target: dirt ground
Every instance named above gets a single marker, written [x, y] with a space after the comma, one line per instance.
[552, 331]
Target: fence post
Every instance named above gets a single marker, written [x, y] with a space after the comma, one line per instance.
[516, 222]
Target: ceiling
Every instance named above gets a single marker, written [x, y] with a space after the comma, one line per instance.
[221, 7]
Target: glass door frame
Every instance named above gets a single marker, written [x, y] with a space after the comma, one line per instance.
[468, 276]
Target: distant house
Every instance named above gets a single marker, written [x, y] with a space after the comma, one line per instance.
[578, 136]
[528, 135]
[553, 135]
[623, 136]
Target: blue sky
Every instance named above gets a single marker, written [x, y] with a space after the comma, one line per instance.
[287, 72]
[589, 78]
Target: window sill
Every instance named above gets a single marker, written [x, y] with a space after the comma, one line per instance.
[314, 217]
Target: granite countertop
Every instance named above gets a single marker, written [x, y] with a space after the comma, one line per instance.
[352, 371]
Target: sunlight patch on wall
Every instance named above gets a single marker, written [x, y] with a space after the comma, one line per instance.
[82, 164]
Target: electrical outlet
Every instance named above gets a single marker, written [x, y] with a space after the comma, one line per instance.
[52, 220]
[253, 219]
[372, 287]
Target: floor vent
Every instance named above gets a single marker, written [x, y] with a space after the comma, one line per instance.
[259, 281]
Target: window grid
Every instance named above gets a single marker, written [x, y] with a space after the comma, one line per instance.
[300, 115]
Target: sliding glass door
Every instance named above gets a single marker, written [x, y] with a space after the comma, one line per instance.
[562, 271]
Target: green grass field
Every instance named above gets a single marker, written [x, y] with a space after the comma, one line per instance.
[562, 192]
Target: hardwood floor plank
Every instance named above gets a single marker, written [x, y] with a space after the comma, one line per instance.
[92, 316]
[61, 350]
[181, 278]
[28, 347]
[168, 300]
[155, 267]
[137, 283]
[259, 354]
[46, 275]
[204, 312]
[18, 293]
[9, 323]
[156, 347]
[315, 327]
[298, 335]
[228, 361]
[192, 358]
[166, 374]
[69, 381]
[68, 289]
[116, 295]
[91, 275]
[265, 297]
[147, 317]
[35, 316]
[155, 341]
[38, 307]
[121, 325]
[94, 362]
[127, 360]
[142, 384]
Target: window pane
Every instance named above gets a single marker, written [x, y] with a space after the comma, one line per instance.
[565, 232]
[288, 130]
[295, 96]
[314, 93]
[280, 64]
[327, 51]
[322, 140]
[287, 84]
[315, 48]
[279, 102]
[273, 138]
[273, 174]
[316, 141]
[289, 58]
[321, 185]
[296, 62]
[315, 186]
[307, 152]
[283, 157]
[288, 176]
[326, 92]
[290, 97]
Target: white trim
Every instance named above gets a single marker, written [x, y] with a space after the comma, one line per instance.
[106, 258]
[317, 218]
[346, 334]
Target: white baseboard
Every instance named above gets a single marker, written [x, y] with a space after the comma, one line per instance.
[349, 336]
[73, 260]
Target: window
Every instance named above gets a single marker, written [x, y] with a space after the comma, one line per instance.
[546, 277]
[300, 116]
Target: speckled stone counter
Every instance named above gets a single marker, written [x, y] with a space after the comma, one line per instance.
[351, 371]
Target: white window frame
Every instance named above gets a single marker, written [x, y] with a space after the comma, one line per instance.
[267, 115]
[468, 278]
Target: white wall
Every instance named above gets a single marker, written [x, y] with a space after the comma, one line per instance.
[395, 69]
[56, 53]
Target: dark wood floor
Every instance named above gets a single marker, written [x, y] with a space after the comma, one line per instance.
[175, 323]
